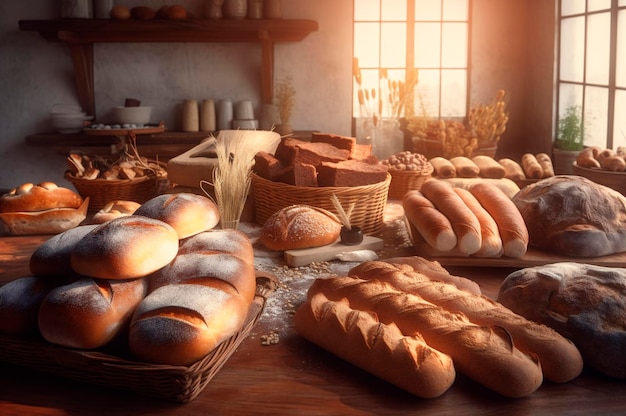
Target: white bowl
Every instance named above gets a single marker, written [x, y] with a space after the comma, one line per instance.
[69, 123]
[69, 109]
[138, 116]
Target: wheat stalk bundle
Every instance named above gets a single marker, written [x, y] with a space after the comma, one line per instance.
[232, 176]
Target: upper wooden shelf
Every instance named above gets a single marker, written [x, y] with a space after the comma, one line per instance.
[81, 34]
[158, 30]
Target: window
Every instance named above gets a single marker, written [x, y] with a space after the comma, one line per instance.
[592, 68]
[405, 48]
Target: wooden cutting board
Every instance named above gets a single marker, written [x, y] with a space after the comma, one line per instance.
[296, 258]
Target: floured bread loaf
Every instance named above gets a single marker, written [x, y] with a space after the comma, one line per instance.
[583, 302]
[573, 216]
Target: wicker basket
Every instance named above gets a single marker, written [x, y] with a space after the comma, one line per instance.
[403, 181]
[103, 191]
[116, 369]
[369, 200]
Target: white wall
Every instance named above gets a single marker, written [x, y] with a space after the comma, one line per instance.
[35, 74]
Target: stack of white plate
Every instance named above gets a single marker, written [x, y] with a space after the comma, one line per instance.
[68, 118]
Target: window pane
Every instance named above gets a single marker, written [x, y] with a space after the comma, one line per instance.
[621, 50]
[619, 130]
[364, 103]
[455, 10]
[454, 45]
[393, 45]
[598, 48]
[394, 10]
[366, 46]
[454, 85]
[621, 3]
[596, 5]
[427, 93]
[427, 45]
[572, 7]
[366, 10]
[596, 113]
[572, 49]
[428, 10]
[569, 95]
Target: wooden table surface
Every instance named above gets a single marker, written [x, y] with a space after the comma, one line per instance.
[292, 376]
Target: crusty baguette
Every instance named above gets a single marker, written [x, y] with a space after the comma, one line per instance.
[531, 166]
[489, 168]
[483, 353]
[491, 243]
[442, 168]
[510, 222]
[464, 222]
[435, 271]
[380, 349]
[560, 359]
[432, 225]
[546, 164]
[465, 167]
[513, 170]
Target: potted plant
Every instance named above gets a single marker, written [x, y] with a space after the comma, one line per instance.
[569, 141]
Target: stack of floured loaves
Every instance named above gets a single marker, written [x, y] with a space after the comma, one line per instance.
[327, 160]
[417, 332]
[161, 277]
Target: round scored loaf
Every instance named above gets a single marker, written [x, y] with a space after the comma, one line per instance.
[44, 196]
[125, 248]
[226, 241]
[19, 304]
[188, 213]
[89, 313]
[115, 209]
[299, 226]
[178, 324]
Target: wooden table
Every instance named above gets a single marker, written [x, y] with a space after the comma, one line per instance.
[293, 376]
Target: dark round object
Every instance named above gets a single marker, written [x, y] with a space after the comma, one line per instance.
[352, 236]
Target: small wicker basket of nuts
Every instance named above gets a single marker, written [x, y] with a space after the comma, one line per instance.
[408, 171]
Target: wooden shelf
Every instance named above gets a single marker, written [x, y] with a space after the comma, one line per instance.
[161, 146]
[81, 34]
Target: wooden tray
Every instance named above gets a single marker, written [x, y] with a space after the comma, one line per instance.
[113, 367]
[533, 257]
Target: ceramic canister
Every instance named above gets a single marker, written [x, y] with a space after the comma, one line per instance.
[224, 115]
[235, 9]
[207, 116]
[190, 116]
[76, 9]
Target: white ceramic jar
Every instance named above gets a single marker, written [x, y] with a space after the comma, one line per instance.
[235, 9]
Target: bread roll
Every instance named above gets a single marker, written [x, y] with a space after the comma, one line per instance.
[464, 222]
[432, 225]
[224, 268]
[19, 304]
[587, 157]
[484, 353]
[44, 196]
[125, 248]
[299, 226]
[531, 166]
[546, 164]
[613, 163]
[582, 302]
[115, 209]
[188, 213]
[491, 243]
[511, 225]
[226, 241]
[89, 313]
[442, 168]
[488, 167]
[560, 359]
[513, 170]
[465, 167]
[178, 324]
[52, 258]
[380, 349]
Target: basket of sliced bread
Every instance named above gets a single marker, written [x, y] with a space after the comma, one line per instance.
[311, 172]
